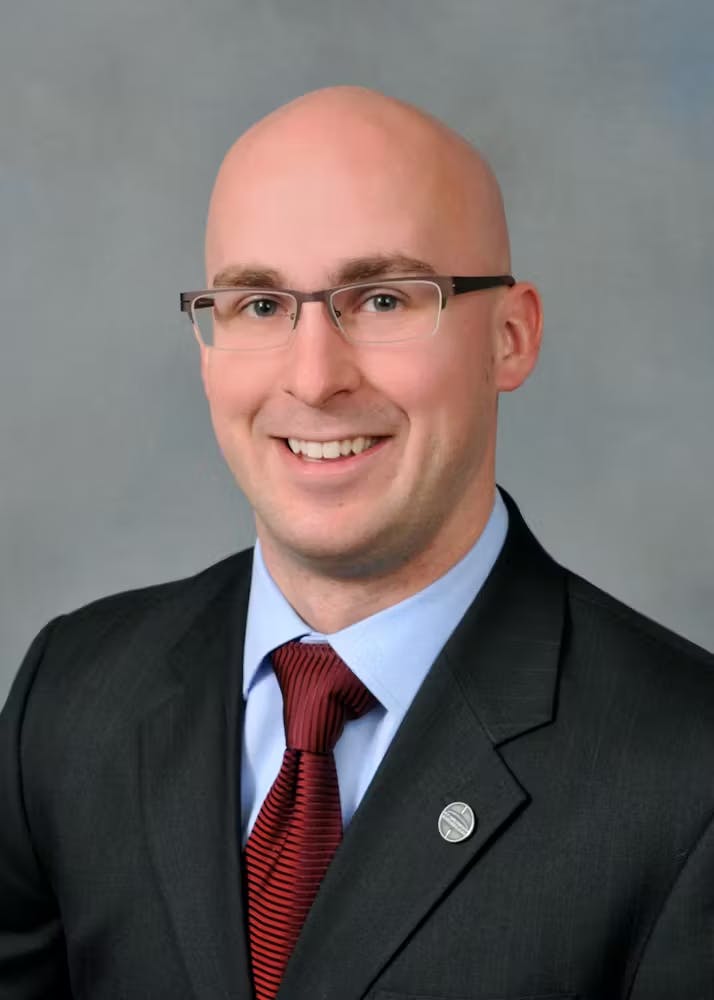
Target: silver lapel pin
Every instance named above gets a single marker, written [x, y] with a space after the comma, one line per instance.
[457, 822]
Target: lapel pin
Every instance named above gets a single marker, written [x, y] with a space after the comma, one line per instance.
[457, 822]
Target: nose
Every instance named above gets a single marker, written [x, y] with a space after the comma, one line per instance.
[320, 362]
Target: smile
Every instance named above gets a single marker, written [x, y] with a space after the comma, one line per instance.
[319, 450]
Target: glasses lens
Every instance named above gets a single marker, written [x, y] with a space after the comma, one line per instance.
[244, 319]
[403, 310]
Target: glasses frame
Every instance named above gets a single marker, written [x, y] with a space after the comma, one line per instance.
[447, 286]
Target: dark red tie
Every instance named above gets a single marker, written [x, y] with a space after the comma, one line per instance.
[299, 826]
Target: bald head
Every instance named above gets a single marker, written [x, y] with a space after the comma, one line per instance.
[311, 166]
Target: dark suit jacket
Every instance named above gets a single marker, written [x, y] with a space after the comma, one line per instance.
[580, 734]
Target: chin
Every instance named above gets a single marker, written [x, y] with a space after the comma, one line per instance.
[329, 552]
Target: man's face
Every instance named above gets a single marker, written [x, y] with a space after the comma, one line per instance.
[430, 404]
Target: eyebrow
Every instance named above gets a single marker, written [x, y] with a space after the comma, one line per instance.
[247, 276]
[351, 270]
[377, 266]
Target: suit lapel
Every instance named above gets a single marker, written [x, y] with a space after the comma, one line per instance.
[495, 680]
[393, 867]
[190, 746]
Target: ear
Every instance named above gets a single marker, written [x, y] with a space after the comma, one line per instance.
[520, 327]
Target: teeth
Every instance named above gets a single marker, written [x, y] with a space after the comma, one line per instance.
[330, 449]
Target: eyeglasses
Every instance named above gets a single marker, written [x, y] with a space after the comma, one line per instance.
[375, 312]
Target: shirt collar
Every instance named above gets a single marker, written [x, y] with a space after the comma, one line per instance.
[374, 648]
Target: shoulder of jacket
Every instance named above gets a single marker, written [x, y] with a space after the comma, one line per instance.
[632, 626]
[139, 602]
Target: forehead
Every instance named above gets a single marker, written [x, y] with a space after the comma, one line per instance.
[307, 206]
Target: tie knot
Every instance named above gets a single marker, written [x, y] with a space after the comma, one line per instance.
[320, 693]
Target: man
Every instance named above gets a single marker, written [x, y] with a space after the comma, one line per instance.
[526, 785]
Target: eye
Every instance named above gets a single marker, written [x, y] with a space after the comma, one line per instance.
[262, 308]
[381, 302]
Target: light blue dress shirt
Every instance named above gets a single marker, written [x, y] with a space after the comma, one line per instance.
[390, 652]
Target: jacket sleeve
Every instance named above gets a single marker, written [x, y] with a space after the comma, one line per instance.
[32, 954]
[678, 959]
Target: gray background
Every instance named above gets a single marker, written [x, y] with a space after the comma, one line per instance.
[113, 118]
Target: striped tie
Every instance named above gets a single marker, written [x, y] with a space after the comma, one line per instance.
[299, 826]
